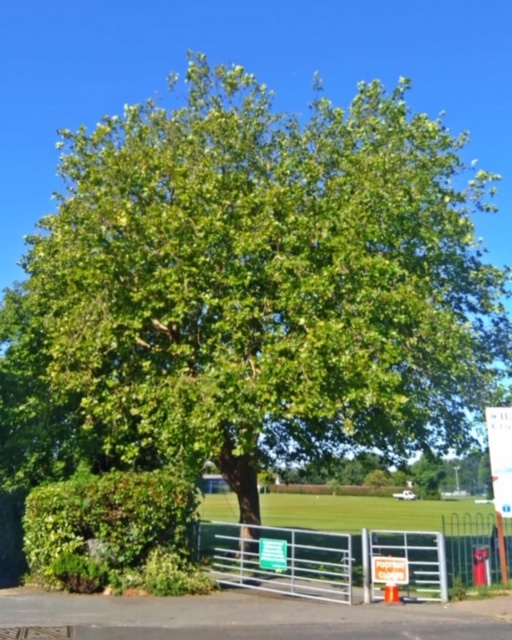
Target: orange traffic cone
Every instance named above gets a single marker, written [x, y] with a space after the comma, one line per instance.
[391, 595]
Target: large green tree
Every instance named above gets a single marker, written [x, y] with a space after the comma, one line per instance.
[38, 437]
[225, 282]
[429, 473]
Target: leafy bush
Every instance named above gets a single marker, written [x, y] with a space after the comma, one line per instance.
[458, 591]
[121, 580]
[167, 574]
[116, 519]
[427, 493]
[79, 574]
[378, 479]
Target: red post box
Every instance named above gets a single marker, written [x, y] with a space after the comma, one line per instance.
[481, 568]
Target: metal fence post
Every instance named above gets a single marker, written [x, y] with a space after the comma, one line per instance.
[365, 549]
[242, 534]
[293, 563]
[350, 570]
[198, 527]
[443, 568]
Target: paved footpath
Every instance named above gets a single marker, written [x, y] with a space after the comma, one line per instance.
[229, 610]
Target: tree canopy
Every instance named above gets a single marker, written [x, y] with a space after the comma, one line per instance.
[39, 439]
[221, 281]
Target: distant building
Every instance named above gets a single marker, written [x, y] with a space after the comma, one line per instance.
[214, 483]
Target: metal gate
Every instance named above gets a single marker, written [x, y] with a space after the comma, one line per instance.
[296, 562]
[425, 554]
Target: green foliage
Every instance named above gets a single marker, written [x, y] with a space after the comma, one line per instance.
[429, 472]
[40, 437]
[343, 471]
[266, 478]
[399, 478]
[334, 486]
[116, 519]
[312, 472]
[220, 281]
[470, 473]
[492, 591]
[121, 580]
[50, 529]
[458, 591]
[353, 472]
[166, 574]
[79, 574]
[378, 479]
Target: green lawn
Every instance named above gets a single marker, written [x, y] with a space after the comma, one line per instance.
[344, 513]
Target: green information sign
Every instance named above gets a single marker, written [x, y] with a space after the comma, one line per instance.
[273, 554]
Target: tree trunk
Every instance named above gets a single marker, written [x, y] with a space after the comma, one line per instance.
[242, 477]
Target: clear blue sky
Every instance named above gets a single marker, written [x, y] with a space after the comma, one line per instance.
[68, 62]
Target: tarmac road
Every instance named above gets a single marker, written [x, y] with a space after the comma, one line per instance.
[393, 631]
[244, 616]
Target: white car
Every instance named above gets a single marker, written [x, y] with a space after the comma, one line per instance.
[405, 495]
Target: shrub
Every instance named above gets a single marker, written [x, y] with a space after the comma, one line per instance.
[334, 486]
[116, 519]
[79, 574]
[427, 493]
[122, 579]
[458, 591]
[168, 574]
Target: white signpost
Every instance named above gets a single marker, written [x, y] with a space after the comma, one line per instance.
[499, 431]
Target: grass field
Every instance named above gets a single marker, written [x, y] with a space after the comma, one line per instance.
[343, 513]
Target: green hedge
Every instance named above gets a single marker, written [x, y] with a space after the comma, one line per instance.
[115, 519]
[338, 490]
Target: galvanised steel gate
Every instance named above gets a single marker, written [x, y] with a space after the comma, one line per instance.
[296, 562]
[425, 554]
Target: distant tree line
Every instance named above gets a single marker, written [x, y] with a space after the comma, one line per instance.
[430, 475]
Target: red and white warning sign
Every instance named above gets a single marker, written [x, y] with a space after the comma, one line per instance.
[390, 570]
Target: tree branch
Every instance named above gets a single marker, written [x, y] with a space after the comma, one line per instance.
[172, 332]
